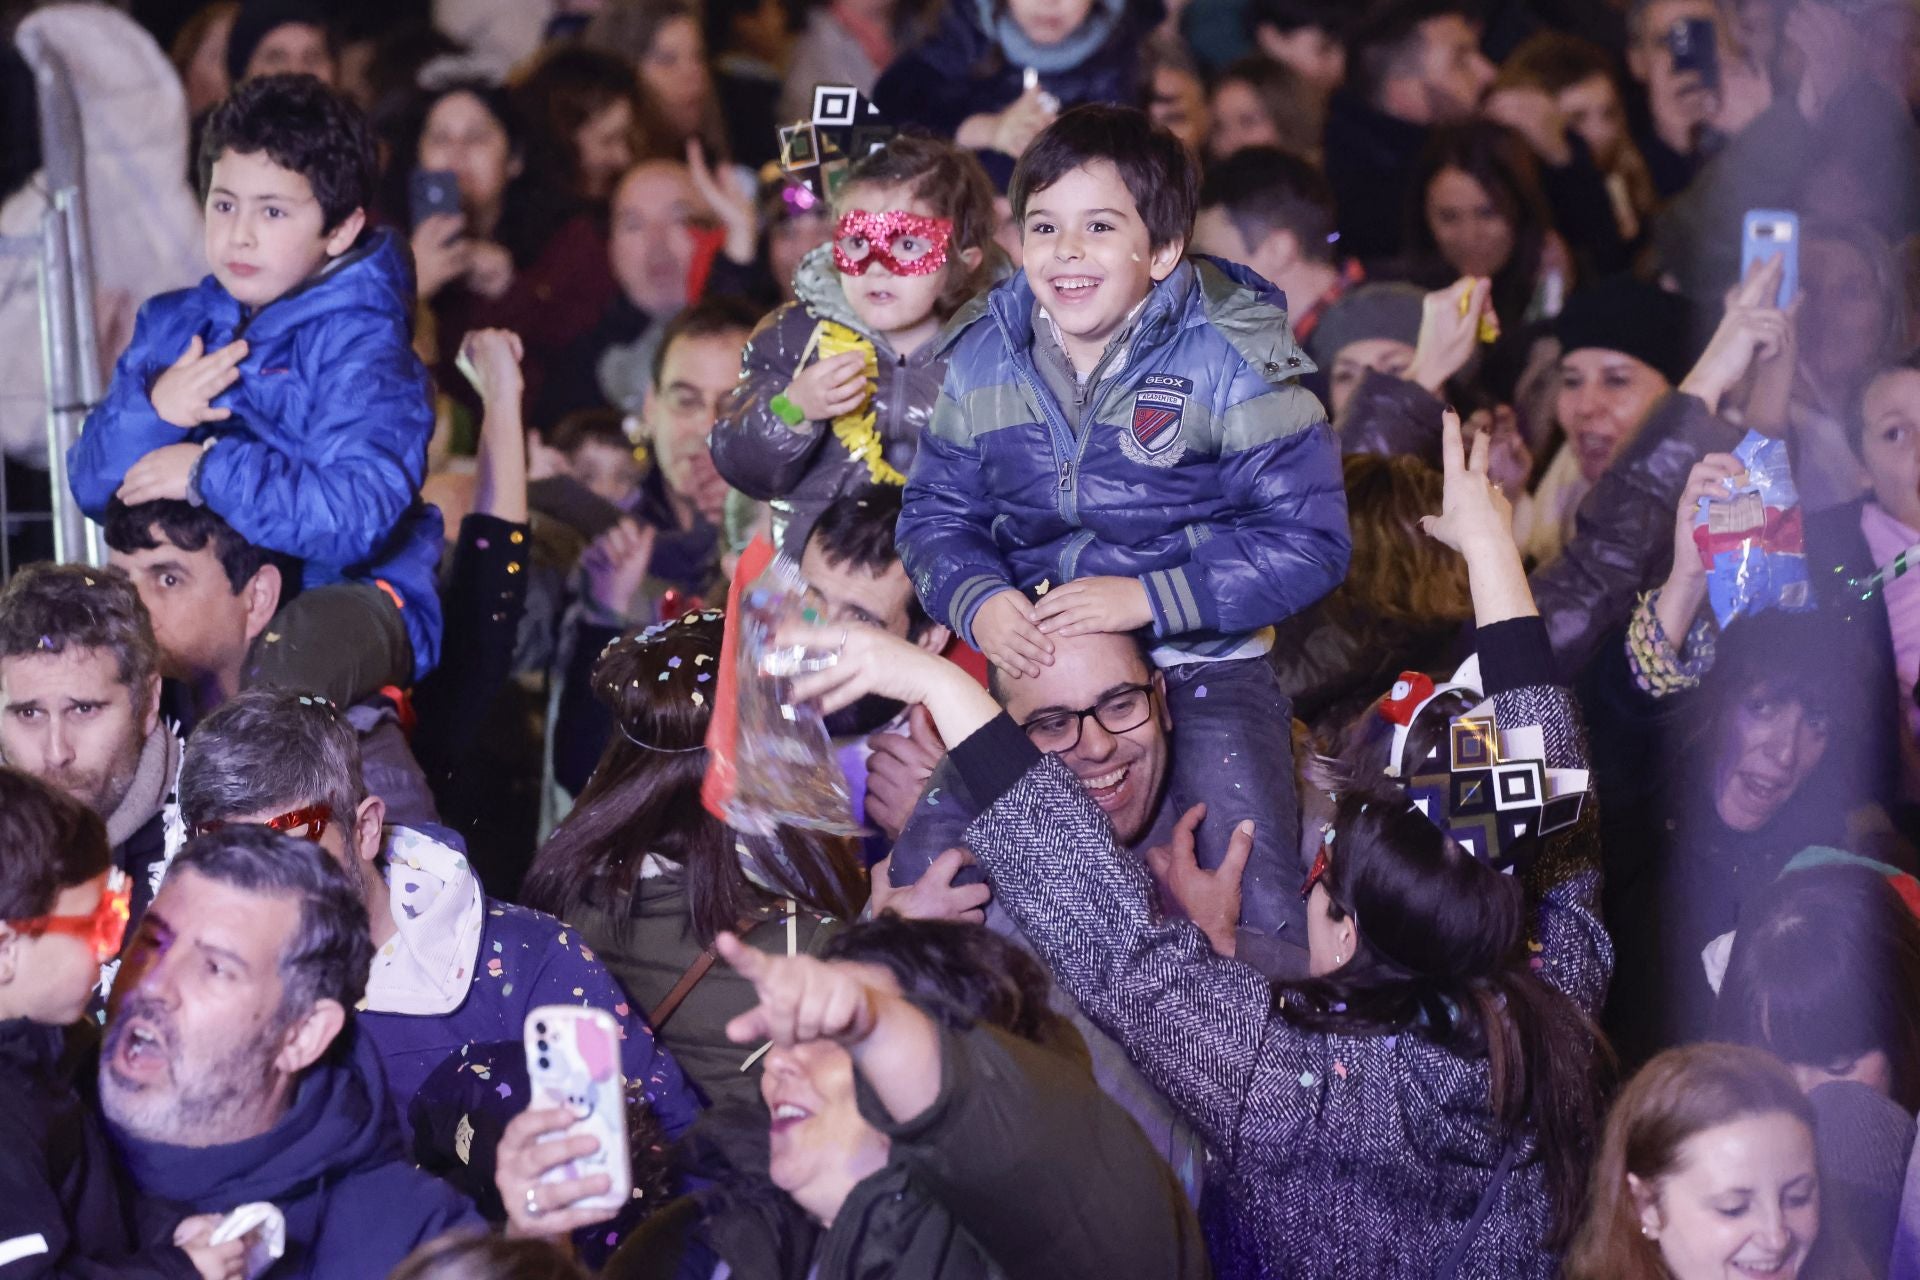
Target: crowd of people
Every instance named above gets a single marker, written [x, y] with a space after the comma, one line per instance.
[1346, 585]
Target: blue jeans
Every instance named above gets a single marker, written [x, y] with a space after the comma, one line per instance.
[1233, 749]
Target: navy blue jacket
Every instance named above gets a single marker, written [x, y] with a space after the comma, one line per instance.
[1201, 466]
[332, 1165]
[324, 454]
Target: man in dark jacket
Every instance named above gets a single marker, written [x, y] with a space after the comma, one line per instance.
[456, 970]
[80, 710]
[231, 1073]
[1413, 65]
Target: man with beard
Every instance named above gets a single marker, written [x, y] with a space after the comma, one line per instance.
[231, 1073]
[80, 710]
[456, 973]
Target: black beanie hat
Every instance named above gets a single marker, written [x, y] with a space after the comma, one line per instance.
[1628, 315]
[258, 19]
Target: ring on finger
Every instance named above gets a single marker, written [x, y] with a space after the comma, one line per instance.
[533, 1205]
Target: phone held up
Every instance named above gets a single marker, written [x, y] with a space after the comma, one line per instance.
[1694, 44]
[1773, 233]
[432, 192]
[573, 1061]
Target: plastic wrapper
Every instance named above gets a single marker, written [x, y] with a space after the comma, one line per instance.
[1752, 542]
[783, 765]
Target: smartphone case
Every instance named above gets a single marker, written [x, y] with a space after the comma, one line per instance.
[1769, 233]
[573, 1061]
[431, 192]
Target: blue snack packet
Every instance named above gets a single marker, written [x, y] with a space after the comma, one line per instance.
[1753, 542]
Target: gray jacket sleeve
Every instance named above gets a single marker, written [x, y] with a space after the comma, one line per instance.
[1623, 538]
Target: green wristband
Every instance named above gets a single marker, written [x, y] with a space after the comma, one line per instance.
[786, 410]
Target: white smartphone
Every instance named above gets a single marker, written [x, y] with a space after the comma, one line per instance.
[573, 1061]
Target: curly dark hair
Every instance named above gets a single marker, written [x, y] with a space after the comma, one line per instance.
[301, 125]
[142, 526]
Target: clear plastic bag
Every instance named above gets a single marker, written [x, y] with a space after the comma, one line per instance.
[1752, 542]
[785, 773]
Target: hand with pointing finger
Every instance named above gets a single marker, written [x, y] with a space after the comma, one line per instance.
[802, 998]
[1211, 899]
[183, 395]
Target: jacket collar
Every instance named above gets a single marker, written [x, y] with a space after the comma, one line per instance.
[427, 967]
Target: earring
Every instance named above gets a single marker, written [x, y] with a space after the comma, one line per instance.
[1648, 1232]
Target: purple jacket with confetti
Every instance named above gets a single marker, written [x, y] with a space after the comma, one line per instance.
[463, 970]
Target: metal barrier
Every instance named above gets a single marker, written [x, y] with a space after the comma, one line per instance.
[69, 345]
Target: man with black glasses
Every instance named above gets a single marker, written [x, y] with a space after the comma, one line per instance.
[1102, 708]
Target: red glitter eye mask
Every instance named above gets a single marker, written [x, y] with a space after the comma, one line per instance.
[904, 244]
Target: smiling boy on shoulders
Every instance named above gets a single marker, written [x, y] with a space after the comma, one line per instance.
[1123, 432]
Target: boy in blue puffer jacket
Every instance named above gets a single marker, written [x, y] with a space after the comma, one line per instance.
[283, 394]
[1124, 432]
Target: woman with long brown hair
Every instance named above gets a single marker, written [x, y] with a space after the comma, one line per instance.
[1707, 1169]
[650, 878]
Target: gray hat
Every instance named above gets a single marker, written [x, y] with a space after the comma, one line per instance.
[1389, 311]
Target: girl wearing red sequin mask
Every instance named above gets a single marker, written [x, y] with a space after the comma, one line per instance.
[853, 358]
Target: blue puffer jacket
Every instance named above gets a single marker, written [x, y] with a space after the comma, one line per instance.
[324, 454]
[1201, 466]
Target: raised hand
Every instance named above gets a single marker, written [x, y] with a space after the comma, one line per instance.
[1211, 899]
[1091, 606]
[801, 998]
[862, 660]
[1007, 630]
[1450, 323]
[184, 394]
[733, 210]
[616, 565]
[1686, 584]
[1753, 329]
[490, 359]
[441, 253]
[1472, 508]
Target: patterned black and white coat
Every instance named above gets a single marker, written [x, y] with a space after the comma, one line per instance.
[1333, 1155]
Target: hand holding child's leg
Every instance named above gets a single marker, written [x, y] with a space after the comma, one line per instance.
[1005, 630]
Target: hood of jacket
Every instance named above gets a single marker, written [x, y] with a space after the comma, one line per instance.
[1242, 305]
[1081, 43]
[375, 275]
[427, 967]
[336, 1126]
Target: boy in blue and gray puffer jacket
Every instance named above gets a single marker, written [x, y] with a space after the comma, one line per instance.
[283, 394]
[1123, 431]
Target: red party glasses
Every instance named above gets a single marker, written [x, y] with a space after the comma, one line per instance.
[102, 928]
[309, 823]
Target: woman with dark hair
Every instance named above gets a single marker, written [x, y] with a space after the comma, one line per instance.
[926, 1116]
[486, 1257]
[664, 40]
[1482, 213]
[1258, 102]
[583, 113]
[1825, 975]
[1425, 1102]
[521, 254]
[1714, 777]
[650, 878]
[1707, 1169]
